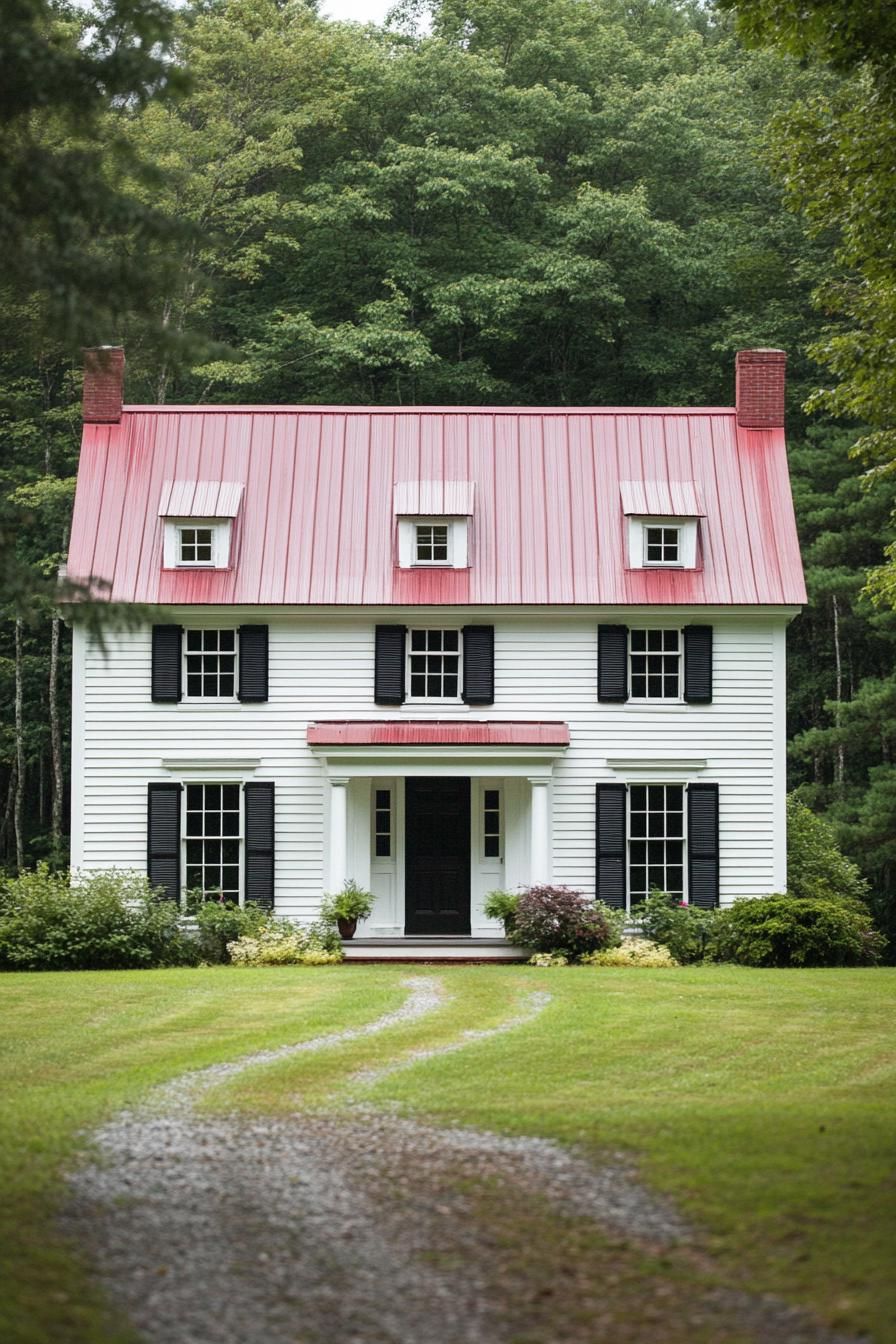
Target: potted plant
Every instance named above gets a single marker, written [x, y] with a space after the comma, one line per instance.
[502, 905]
[344, 908]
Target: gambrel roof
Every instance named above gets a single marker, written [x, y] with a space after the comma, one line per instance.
[315, 521]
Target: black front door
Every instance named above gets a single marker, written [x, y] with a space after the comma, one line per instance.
[437, 856]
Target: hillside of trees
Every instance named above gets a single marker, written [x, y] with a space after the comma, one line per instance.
[530, 201]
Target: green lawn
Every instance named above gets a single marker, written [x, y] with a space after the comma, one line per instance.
[763, 1100]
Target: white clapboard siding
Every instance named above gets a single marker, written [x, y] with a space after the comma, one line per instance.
[321, 666]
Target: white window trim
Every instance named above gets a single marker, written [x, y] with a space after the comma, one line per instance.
[637, 542]
[220, 529]
[678, 783]
[193, 778]
[210, 699]
[663, 527]
[457, 542]
[653, 699]
[441, 699]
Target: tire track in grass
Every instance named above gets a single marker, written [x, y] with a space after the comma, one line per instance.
[532, 1005]
[366, 1228]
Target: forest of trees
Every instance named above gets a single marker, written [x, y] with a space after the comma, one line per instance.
[529, 201]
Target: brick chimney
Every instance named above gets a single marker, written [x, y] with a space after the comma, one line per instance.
[103, 384]
[760, 378]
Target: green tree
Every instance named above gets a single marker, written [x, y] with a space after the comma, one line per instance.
[836, 155]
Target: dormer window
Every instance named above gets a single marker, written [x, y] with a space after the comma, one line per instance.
[662, 545]
[197, 517]
[195, 545]
[663, 523]
[433, 523]
[432, 543]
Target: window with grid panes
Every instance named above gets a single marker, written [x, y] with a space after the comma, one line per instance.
[212, 839]
[195, 545]
[656, 840]
[382, 823]
[654, 664]
[431, 543]
[210, 657]
[434, 664]
[491, 823]
[662, 545]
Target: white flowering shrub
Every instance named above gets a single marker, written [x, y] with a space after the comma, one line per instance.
[632, 952]
[282, 943]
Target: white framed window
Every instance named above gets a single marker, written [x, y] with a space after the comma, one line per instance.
[654, 658]
[196, 543]
[436, 542]
[492, 823]
[213, 840]
[434, 664]
[383, 823]
[656, 844]
[658, 543]
[431, 543]
[210, 664]
[662, 545]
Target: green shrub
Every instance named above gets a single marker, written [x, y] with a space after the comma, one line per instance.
[282, 943]
[795, 931]
[108, 920]
[686, 930]
[501, 905]
[222, 922]
[557, 919]
[816, 867]
[632, 952]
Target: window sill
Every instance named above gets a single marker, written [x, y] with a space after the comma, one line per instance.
[192, 569]
[435, 704]
[208, 702]
[632, 703]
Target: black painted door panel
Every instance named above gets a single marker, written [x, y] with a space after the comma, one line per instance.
[437, 856]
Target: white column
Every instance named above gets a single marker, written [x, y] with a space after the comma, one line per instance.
[338, 833]
[539, 833]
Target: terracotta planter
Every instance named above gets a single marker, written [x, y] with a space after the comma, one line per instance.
[346, 927]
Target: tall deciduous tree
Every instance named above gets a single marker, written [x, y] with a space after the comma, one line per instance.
[836, 154]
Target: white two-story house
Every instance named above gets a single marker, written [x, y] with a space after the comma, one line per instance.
[436, 650]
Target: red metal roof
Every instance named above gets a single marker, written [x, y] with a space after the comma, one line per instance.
[317, 525]
[436, 732]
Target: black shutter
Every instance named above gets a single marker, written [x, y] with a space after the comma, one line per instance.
[479, 664]
[612, 663]
[698, 664]
[259, 804]
[611, 883]
[388, 677]
[703, 845]
[163, 839]
[166, 663]
[253, 664]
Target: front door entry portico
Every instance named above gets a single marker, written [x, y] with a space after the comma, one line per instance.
[437, 855]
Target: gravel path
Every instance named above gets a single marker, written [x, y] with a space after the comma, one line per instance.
[360, 1228]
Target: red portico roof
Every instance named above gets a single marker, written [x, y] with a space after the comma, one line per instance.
[436, 732]
[316, 520]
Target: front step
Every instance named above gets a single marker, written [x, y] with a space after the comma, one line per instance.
[431, 949]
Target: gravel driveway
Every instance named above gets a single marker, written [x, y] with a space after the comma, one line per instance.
[369, 1227]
